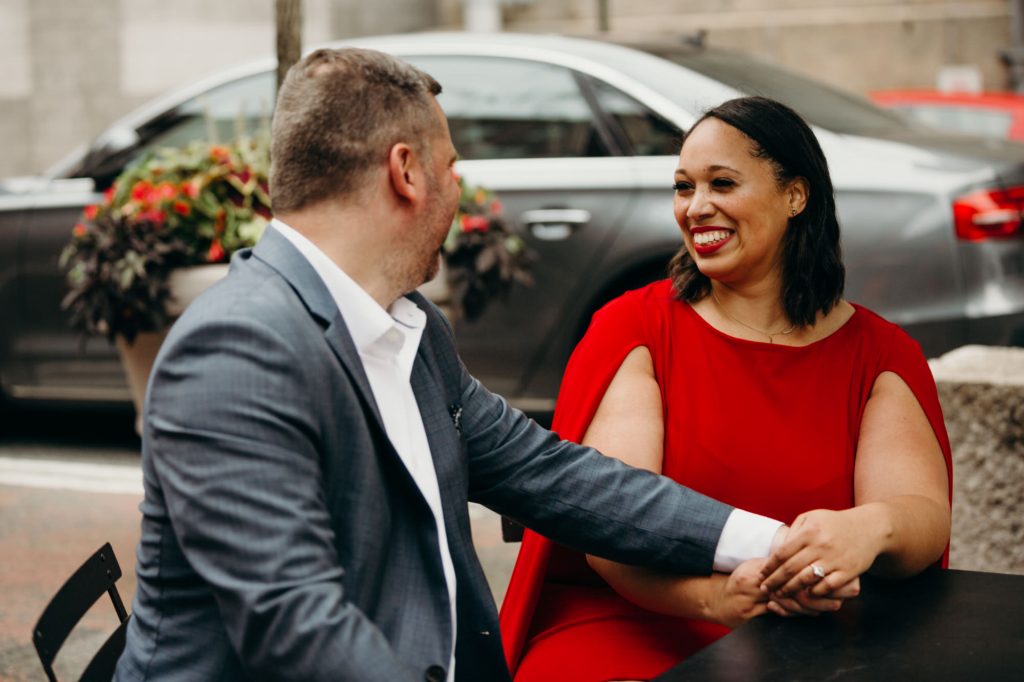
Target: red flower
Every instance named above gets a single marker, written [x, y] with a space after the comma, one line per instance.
[496, 206]
[181, 207]
[90, 211]
[108, 194]
[153, 216]
[474, 223]
[142, 191]
[216, 253]
[80, 230]
[190, 189]
[165, 191]
[220, 154]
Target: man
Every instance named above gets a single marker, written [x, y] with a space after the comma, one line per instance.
[311, 437]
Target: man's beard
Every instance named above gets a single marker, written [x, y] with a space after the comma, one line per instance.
[439, 215]
[423, 258]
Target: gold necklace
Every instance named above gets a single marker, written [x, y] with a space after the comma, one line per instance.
[753, 329]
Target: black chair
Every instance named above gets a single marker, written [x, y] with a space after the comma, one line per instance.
[96, 576]
[511, 531]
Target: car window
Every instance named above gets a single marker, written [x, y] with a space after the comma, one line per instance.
[820, 104]
[501, 108]
[647, 133]
[240, 107]
[973, 121]
[234, 109]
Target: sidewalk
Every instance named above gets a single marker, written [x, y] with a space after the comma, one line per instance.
[55, 511]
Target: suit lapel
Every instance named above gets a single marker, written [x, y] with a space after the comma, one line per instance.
[444, 440]
[437, 422]
[280, 254]
[340, 341]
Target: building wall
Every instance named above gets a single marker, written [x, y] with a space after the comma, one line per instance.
[68, 68]
[859, 45]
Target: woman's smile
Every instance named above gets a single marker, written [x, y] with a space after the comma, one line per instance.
[707, 240]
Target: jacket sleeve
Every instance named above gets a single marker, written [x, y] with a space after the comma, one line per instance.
[232, 438]
[580, 498]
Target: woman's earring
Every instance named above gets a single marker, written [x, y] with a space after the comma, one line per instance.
[792, 211]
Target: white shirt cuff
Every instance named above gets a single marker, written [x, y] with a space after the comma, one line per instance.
[744, 536]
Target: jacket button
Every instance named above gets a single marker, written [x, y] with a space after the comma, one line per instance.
[435, 673]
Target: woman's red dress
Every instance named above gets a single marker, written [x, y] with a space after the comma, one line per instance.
[768, 428]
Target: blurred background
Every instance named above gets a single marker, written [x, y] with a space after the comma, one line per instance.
[71, 68]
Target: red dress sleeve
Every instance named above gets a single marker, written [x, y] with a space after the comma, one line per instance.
[906, 360]
[615, 330]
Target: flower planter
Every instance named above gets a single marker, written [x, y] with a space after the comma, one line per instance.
[187, 283]
[439, 293]
[137, 358]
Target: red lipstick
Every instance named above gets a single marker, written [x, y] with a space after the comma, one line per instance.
[708, 249]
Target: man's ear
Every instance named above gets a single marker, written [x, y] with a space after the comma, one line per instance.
[404, 172]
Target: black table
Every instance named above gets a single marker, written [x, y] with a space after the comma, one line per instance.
[940, 625]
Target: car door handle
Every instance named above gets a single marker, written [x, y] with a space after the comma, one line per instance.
[554, 224]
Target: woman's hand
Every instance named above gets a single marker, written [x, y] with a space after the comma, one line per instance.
[841, 544]
[740, 597]
[803, 603]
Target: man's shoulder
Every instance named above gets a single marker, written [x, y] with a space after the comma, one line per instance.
[250, 287]
[251, 301]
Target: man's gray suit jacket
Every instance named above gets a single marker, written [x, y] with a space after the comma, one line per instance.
[282, 537]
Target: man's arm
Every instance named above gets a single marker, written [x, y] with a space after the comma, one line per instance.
[577, 496]
[230, 428]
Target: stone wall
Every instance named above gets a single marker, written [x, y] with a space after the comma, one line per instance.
[854, 44]
[982, 395]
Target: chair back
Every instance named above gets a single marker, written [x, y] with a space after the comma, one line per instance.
[92, 579]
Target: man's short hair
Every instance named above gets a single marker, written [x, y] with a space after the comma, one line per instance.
[338, 114]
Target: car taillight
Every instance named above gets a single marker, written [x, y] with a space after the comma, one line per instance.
[989, 213]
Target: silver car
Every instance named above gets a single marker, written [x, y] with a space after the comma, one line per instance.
[579, 138]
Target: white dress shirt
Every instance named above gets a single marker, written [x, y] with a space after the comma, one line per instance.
[387, 341]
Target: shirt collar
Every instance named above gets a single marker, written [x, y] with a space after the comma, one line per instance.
[366, 320]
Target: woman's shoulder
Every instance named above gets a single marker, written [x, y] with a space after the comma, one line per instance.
[635, 317]
[887, 340]
[658, 295]
[873, 324]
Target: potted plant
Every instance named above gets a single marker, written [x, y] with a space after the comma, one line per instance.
[482, 257]
[137, 258]
[134, 259]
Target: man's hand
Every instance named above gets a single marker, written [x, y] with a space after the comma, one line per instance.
[803, 603]
[740, 597]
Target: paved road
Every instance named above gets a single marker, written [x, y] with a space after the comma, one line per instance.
[69, 483]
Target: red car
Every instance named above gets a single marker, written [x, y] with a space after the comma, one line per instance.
[991, 114]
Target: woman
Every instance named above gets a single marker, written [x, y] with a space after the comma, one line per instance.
[747, 377]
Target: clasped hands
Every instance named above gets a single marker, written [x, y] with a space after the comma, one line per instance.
[813, 567]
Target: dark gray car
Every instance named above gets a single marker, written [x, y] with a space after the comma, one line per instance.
[579, 138]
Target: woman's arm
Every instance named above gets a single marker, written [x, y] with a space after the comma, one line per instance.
[902, 519]
[629, 425]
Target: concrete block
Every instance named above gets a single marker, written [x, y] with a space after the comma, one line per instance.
[982, 394]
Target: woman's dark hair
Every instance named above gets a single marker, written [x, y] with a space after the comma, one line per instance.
[813, 274]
